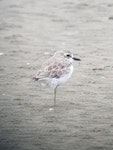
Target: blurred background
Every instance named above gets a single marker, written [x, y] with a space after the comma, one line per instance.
[30, 32]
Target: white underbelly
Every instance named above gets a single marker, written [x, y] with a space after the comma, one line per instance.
[66, 76]
[54, 82]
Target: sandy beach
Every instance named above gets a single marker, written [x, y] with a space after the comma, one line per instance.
[30, 32]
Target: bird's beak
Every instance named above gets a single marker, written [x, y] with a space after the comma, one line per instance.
[77, 59]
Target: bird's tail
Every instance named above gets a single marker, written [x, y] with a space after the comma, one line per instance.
[36, 78]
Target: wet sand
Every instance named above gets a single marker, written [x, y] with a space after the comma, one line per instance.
[30, 32]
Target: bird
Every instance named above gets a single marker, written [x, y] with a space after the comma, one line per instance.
[56, 70]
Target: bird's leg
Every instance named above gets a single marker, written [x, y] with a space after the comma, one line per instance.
[55, 90]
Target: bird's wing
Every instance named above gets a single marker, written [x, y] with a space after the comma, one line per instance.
[53, 69]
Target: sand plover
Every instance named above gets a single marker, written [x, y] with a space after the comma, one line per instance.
[57, 70]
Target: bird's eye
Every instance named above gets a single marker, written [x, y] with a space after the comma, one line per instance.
[68, 55]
